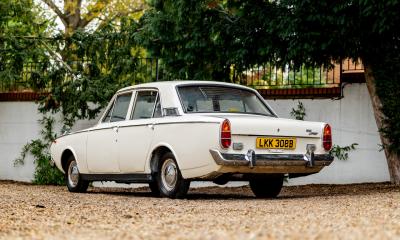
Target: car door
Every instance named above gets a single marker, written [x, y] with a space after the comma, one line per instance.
[102, 149]
[135, 137]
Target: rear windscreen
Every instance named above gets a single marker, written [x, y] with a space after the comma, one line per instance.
[204, 99]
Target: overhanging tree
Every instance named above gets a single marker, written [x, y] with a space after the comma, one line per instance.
[103, 61]
[78, 14]
[206, 35]
[18, 19]
[367, 30]
[97, 54]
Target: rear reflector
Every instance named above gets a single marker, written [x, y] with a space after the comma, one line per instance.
[327, 138]
[226, 139]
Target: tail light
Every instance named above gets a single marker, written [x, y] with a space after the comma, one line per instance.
[226, 139]
[327, 138]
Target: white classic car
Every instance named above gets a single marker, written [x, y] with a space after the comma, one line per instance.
[167, 134]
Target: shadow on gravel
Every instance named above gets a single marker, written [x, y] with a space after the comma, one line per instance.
[190, 196]
[206, 193]
[326, 190]
[288, 192]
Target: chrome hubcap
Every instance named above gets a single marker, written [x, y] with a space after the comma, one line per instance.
[73, 174]
[169, 174]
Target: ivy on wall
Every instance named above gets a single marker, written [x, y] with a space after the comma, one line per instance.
[299, 112]
[342, 153]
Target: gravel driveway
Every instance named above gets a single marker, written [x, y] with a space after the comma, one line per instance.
[365, 211]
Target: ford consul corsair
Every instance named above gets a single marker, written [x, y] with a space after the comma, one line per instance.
[167, 134]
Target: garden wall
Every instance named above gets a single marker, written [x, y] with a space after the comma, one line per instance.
[352, 121]
[351, 118]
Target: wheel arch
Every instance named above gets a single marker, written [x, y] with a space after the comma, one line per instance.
[156, 154]
[65, 156]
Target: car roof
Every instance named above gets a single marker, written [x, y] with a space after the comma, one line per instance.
[175, 83]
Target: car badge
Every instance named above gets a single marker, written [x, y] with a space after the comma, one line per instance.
[310, 132]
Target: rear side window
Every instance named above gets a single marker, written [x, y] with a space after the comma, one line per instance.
[145, 104]
[121, 107]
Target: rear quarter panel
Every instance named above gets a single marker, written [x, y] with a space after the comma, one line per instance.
[190, 141]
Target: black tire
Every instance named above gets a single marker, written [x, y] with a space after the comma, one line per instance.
[266, 186]
[155, 191]
[78, 185]
[179, 186]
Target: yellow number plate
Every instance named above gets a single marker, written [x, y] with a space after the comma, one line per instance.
[276, 143]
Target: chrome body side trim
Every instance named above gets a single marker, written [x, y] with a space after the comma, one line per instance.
[134, 125]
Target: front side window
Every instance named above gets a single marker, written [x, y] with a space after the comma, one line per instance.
[121, 107]
[145, 104]
[211, 99]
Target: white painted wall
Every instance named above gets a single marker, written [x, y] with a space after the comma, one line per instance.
[352, 121]
[351, 118]
[18, 126]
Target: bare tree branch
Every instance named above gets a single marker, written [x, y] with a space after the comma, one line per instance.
[94, 11]
[56, 10]
[105, 21]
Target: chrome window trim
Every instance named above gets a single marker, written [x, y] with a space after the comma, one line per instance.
[155, 105]
[133, 106]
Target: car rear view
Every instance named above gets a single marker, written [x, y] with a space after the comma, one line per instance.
[255, 144]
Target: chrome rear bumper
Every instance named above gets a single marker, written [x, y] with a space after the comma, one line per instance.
[282, 160]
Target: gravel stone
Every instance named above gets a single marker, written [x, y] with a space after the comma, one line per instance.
[358, 211]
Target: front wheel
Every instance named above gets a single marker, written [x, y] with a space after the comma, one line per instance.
[73, 177]
[169, 178]
[266, 187]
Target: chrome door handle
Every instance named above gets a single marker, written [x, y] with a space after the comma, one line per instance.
[151, 126]
[115, 129]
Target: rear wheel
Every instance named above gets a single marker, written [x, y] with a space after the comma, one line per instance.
[266, 186]
[169, 178]
[73, 177]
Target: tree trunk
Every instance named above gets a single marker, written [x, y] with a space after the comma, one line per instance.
[393, 159]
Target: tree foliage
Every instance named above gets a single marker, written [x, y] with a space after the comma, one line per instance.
[78, 14]
[104, 61]
[78, 83]
[183, 33]
[19, 19]
[82, 81]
